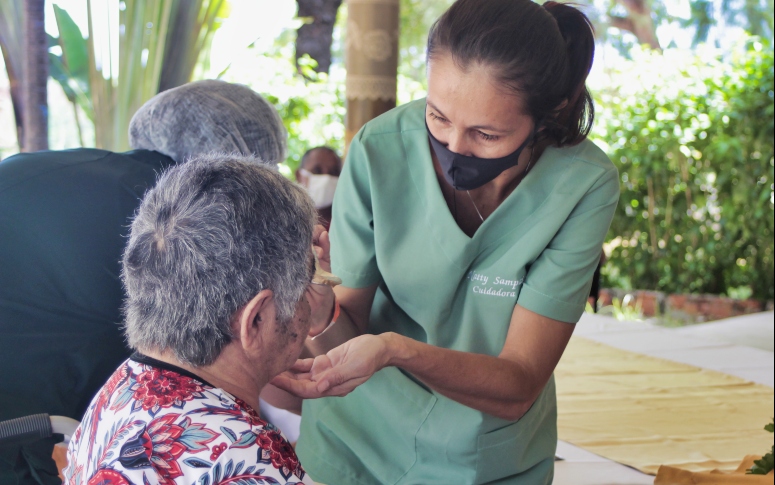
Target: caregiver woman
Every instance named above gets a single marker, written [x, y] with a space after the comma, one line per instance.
[466, 231]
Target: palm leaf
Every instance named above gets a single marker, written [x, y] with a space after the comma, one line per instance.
[189, 38]
[71, 68]
[159, 43]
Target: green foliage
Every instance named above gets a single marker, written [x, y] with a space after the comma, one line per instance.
[310, 104]
[767, 463]
[159, 43]
[706, 20]
[692, 136]
[417, 17]
[71, 67]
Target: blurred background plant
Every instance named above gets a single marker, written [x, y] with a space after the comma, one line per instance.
[694, 146]
[309, 102]
[133, 50]
[624, 310]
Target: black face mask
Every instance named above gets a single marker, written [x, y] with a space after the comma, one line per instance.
[468, 173]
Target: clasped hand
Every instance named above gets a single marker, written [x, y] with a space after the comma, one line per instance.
[320, 297]
[338, 372]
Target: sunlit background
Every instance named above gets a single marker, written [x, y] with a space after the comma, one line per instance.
[689, 124]
[255, 44]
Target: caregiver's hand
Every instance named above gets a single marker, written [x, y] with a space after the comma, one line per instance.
[339, 371]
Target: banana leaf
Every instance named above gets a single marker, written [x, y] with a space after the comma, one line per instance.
[159, 45]
[71, 68]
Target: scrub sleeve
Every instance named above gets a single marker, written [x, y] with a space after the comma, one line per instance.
[391, 227]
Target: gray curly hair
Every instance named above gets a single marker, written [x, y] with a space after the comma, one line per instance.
[206, 239]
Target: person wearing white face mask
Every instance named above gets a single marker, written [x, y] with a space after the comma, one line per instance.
[319, 173]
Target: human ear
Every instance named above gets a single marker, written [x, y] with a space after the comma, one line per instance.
[253, 318]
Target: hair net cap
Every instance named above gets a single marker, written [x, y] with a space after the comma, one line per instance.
[209, 116]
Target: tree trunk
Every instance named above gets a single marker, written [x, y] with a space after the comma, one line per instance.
[638, 22]
[35, 77]
[315, 38]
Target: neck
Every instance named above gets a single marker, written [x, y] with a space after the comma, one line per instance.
[506, 182]
[491, 194]
[231, 372]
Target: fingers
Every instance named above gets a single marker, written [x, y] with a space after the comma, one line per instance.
[334, 384]
[317, 231]
[326, 383]
[303, 388]
[324, 242]
[333, 378]
[321, 364]
[321, 244]
[296, 376]
[306, 386]
[302, 365]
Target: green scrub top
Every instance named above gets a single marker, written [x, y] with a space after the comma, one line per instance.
[392, 227]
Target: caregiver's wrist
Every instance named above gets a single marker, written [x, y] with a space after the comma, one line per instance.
[398, 349]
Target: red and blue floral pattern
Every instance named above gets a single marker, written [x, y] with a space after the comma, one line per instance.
[155, 426]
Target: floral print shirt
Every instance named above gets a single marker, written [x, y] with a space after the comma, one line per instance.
[153, 423]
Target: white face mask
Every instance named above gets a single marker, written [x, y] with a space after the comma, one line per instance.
[320, 188]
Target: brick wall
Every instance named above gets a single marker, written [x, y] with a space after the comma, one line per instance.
[689, 308]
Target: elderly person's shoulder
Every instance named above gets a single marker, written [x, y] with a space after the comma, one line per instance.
[158, 423]
[216, 268]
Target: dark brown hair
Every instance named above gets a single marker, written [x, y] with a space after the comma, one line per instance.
[544, 53]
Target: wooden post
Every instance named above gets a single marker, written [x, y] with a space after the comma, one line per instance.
[371, 60]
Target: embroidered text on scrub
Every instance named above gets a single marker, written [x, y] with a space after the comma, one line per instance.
[473, 276]
[505, 282]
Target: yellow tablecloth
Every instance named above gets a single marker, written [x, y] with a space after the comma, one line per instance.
[645, 412]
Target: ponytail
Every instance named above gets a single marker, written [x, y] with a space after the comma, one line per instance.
[543, 54]
[572, 123]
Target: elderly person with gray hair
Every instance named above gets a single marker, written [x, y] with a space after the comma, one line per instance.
[64, 218]
[216, 269]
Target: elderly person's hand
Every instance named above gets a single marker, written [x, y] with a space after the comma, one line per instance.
[321, 244]
[319, 296]
[338, 372]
